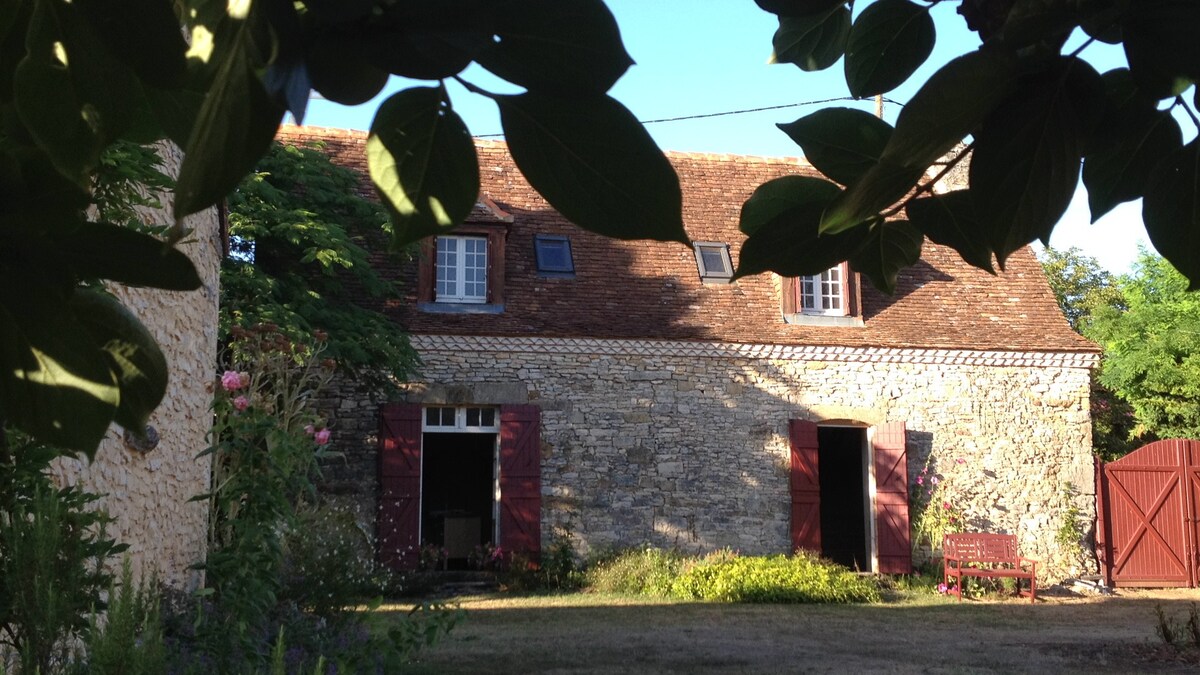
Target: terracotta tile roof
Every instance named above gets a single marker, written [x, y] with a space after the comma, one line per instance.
[652, 290]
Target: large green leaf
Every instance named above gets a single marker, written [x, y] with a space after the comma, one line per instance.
[233, 129]
[782, 219]
[429, 40]
[891, 246]
[798, 7]
[1027, 155]
[144, 34]
[1171, 210]
[562, 47]
[115, 253]
[880, 187]
[131, 352]
[595, 164]
[422, 160]
[50, 106]
[949, 106]
[812, 42]
[56, 384]
[340, 70]
[889, 41]
[1119, 174]
[949, 219]
[1161, 45]
[841, 143]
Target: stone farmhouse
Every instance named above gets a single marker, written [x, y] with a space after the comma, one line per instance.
[615, 393]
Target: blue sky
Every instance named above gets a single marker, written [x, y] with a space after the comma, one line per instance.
[701, 57]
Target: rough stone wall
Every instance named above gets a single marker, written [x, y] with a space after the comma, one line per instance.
[147, 494]
[681, 449]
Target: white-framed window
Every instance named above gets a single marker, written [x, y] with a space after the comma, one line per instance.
[713, 261]
[824, 293]
[463, 419]
[462, 269]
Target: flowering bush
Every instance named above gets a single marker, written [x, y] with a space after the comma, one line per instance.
[432, 557]
[486, 557]
[264, 458]
[931, 509]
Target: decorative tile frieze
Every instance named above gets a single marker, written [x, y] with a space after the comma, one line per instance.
[716, 350]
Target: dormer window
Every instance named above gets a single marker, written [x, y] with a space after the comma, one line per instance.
[824, 293]
[462, 264]
[826, 299]
[713, 262]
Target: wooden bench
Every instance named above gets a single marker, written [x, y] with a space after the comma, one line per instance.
[987, 556]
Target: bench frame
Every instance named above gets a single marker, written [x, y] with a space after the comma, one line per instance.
[988, 556]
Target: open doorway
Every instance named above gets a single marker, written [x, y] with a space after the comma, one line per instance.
[845, 495]
[458, 493]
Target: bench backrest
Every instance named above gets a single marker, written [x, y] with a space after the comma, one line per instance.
[988, 548]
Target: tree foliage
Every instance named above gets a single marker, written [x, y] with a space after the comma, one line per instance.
[1080, 284]
[78, 76]
[1152, 349]
[300, 237]
[1083, 289]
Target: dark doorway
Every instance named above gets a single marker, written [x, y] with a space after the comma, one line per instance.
[458, 493]
[843, 495]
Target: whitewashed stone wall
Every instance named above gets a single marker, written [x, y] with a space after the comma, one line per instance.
[147, 494]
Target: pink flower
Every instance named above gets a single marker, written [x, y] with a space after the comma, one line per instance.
[934, 480]
[946, 505]
[322, 437]
[960, 460]
[920, 480]
[231, 381]
[942, 588]
[241, 403]
[309, 429]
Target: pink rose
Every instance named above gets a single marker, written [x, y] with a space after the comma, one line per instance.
[309, 429]
[241, 403]
[231, 381]
[941, 588]
[322, 437]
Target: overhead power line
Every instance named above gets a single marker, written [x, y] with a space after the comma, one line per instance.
[743, 111]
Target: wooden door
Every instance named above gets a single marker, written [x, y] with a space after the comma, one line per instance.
[521, 480]
[398, 529]
[892, 534]
[805, 484]
[1150, 515]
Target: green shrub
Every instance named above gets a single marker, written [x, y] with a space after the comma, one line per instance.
[799, 578]
[637, 571]
[130, 639]
[52, 552]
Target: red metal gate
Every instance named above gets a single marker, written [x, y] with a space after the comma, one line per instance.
[1149, 527]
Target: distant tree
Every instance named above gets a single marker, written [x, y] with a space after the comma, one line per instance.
[300, 231]
[1080, 284]
[1152, 349]
[1082, 288]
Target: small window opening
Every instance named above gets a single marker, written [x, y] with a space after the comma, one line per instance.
[553, 255]
[713, 262]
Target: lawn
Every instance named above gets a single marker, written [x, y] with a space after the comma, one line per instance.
[589, 633]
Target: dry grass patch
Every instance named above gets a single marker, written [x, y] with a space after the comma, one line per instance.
[593, 633]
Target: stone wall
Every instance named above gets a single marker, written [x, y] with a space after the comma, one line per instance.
[684, 444]
[147, 493]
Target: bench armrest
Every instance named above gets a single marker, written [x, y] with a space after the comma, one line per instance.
[1032, 563]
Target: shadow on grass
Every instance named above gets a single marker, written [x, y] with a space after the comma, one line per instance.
[585, 633]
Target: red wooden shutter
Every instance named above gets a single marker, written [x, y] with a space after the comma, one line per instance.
[891, 499]
[399, 525]
[789, 286]
[521, 480]
[805, 485]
